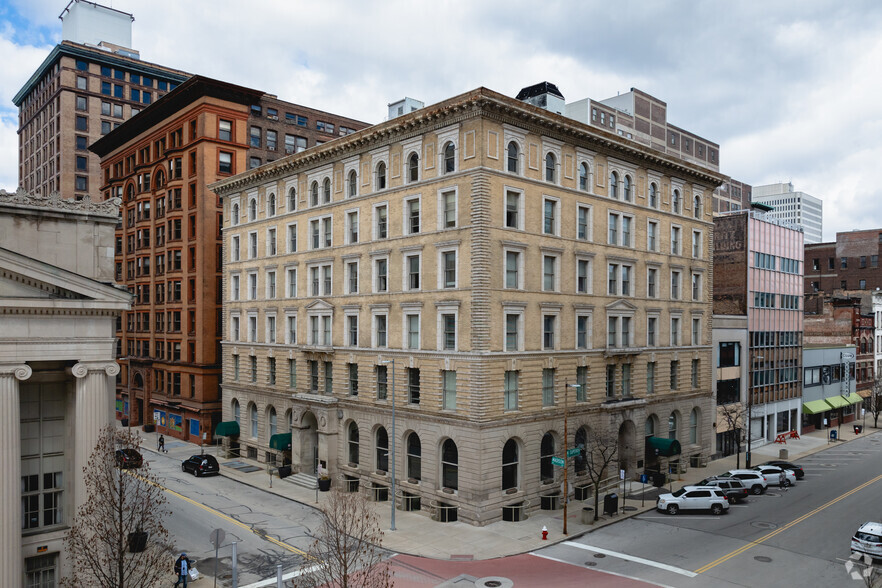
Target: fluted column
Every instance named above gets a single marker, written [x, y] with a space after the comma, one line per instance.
[93, 411]
[10, 466]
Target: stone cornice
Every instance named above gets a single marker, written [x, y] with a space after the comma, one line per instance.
[54, 203]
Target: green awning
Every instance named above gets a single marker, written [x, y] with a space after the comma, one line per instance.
[837, 402]
[281, 442]
[666, 447]
[854, 398]
[227, 429]
[815, 407]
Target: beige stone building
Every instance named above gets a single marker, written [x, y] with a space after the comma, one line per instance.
[492, 255]
[58, 308]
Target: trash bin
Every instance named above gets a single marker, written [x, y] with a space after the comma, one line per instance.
[587, 515]
[284, 471]
[833, 434]
[658, 479]
[858, 429]
[611, 504]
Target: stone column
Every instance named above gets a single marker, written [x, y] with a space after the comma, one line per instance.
[93, 411]
[10, 465]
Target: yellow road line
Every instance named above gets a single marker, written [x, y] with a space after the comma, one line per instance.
[228, 518]
[764, 538]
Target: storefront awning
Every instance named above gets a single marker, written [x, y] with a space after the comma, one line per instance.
[865, 393]
[281, 442]
[837, 402]
[815, 407]
[666, 447]
[227, 429]
[854, 398]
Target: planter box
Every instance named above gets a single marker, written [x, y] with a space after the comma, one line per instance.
[149, 428]
[324, 485]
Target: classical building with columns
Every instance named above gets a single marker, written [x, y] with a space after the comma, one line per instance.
[58, 312]
[428, 298]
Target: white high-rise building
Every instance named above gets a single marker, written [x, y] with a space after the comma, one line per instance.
[797, 208]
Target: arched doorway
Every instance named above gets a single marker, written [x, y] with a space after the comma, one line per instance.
[626, 449]
[308, 437]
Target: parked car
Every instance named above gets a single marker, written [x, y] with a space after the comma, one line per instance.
[733, 488]
[128, 459]
[786, 465]
[774, 474]
[200, 465]
[868, 540]
[694, 498]
[751, 479]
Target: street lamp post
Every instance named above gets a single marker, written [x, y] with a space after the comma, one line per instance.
[392, 455]
[566, 486]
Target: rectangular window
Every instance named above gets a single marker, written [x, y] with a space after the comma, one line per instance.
[696, 244]
[380, 330]
[675, 285]
[626, 380]
[292, 373]
[449, 331]
[448, 262]
[448, 203]
[675, 367]
[352, 321]
[271, 370]
[696, 286]
[583, 276]
[610, 381]
[225, 130]
[652, 236]
[253, 368]
[513, 210]
[613, 234]
[512, 269]
[583, 332]
[353, 379]
[675, 331]
[291, 330]
[412, 222]
[510, 394]
[512, 335]
[412, 265]
[548, 331]
[548, 387]
[352, 276]
[652, 282]
[329, 378]
[313, 376]
[413, 331]
[381, 270]
[729, 354]
[548, 273]
[380, 225]
[582, 383]
[550, 221]
[352, 227]
[675, 240]
[292, 238]
[225, 162]
[696, 331]
[695, 373]
[650, 377]
[291, 282]
[448, 382]
[413, 385]
[583, 223]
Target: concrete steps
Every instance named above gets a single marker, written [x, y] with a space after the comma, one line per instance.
[303, 480]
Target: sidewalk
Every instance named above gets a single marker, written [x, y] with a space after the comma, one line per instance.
[416, 534]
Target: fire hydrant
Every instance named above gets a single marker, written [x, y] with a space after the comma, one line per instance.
[545, 533]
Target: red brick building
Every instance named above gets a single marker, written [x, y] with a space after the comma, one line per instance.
[845, 267]
[168, 246]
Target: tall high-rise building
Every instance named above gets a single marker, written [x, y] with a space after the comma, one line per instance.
[168, 249]
[758, 275]
[88, 85]
[796, 208]
[430, 297]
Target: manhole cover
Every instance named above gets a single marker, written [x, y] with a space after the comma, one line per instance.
[763, 558]
[629, 508]
[590, 564]
[493, 582]
[600, 555]
[763, 525]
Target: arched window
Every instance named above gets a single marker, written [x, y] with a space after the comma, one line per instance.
[696, 208]
[381, 176]
[382, 450]
[672, 426]
[326, 190]
[252, 419]
[449, 158]
[235, 213]
[313, 194]
[353, 443]
[627, 189]
[292, 199]
[693, 425]
[510, 464]
[353, 183]
[413, 167]
[159, 182]
[449, 465]
[546, 452]
[513, 155]
[237, 415]
[580, 464]
[614, 185]
[675, 201]
[252, 209]
[550, 168]
[272, 422]
[651, 426]
[130, 192]
[414, 457]
[583, 177]
[271, 205]
[653, 195]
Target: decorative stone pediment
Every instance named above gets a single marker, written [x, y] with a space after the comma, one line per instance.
[319, 305]
[621, 305]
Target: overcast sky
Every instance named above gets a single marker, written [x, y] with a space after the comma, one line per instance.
[788, 89]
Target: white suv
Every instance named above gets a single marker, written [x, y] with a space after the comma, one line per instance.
[868, 540]
[752, 479]
[773, 475]
[694, 498]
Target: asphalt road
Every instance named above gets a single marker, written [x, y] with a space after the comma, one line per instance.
[798, 537]
[269, 530]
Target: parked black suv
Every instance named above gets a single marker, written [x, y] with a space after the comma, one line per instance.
[734, 489]
[128, 459]
[200, 465]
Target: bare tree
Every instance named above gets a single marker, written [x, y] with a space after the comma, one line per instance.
[123, 514]
[874, 402]
[733, 415]
[346, 552]
[602, 449]
[860, 567]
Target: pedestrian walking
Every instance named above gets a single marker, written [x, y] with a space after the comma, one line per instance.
[162, 444]
[182, 569]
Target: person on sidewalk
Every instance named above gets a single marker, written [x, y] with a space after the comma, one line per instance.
[182, 569]
[161, 445]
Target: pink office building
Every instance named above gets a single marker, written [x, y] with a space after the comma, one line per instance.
[758, 274]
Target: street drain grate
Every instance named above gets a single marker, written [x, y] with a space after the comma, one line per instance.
[763, 525]
[629, 508]
[590, 564]
[763, 558]
[600, 555]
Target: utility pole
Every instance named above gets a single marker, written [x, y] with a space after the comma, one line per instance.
[566, 486]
